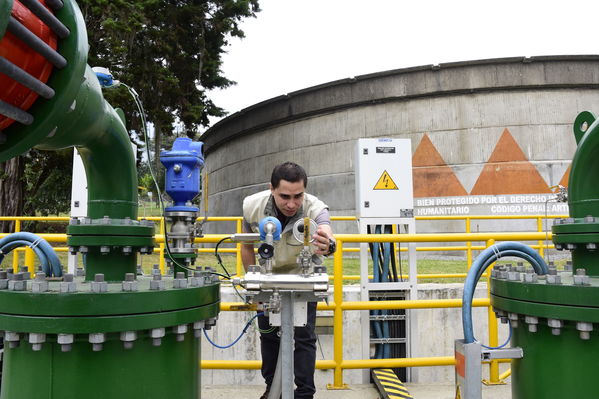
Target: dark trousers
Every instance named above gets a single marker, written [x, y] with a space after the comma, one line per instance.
[304, 354]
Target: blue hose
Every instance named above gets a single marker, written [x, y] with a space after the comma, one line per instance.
[248, 324]
[481, 263]
[48, 257]
[5, 250]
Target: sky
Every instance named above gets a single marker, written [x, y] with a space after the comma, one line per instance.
[295, 44]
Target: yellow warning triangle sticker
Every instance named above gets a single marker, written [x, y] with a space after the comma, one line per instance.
[385, 182]
[458, 395]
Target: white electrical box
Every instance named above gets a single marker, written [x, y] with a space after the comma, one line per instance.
[79, 187]
[384, 178]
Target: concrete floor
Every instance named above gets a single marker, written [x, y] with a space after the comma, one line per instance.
[356, 392]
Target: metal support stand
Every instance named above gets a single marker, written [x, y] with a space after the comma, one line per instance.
[287, 344]
[407, 286]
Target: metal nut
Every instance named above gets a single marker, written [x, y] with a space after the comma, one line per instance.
[128, 337]
[532, 322]
[97, 339]
[555, 326]
[585, 329]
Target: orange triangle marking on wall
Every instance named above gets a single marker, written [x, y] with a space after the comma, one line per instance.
[508, 171]
[432, 177]
[565, 177]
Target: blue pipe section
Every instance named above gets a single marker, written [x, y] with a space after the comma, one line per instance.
[5, 250]
[481, 263]
[50, 262]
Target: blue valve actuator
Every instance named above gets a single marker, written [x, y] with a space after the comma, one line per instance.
[182, 179]
[276, 235]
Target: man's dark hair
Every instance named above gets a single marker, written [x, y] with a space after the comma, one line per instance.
[290, 172]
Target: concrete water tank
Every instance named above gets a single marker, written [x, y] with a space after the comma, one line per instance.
[488, 136]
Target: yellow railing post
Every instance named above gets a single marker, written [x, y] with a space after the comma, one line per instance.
[15, 253]
[397, 254]
[468, 244]
[161, 246]
[338, 319]
[238, 263]
[540, 230]
[493, 331]
[30, 260]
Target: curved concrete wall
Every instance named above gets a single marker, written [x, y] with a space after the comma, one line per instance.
[485, 134]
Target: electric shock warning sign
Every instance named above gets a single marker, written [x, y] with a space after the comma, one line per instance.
[385, 182]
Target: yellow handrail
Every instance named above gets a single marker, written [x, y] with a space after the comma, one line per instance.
[338, 306]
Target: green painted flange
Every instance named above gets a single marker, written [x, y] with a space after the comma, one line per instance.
[54, 312]
[88, 325]
[544, 310]
[119, 241]
[566, 294]
[110, 230]
[115, 302]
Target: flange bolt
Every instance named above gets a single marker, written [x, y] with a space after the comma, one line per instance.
[66, 342]
[157, 334]
[68, 284]
[585, 329]
[581, 278]
[128, 337]
[36, 340]
[97, 339]
[532, 322]
[555, 326]
[157, 283]
[180, 331]
[99, 285]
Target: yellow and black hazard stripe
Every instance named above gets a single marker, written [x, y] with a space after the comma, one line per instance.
[389, 385]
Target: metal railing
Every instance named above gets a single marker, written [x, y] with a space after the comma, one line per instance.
[338, 306]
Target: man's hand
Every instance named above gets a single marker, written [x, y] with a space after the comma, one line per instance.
[321, 239]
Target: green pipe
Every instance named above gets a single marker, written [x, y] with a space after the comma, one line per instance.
[79, 116]
[101, 138]
[583, 190]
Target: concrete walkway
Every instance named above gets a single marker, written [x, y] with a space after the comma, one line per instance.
[355, 392]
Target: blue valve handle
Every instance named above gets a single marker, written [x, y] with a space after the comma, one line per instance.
[276, 235]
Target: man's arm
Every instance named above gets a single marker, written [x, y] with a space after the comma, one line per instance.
[323, 234]
[248, 257]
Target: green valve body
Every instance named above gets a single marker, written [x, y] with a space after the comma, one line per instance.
[109, 333]
[555, 318]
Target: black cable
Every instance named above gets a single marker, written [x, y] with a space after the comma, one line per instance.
[218, 258]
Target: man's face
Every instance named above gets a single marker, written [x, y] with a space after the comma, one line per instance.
[288, 196]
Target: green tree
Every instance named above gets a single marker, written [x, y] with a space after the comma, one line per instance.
[169, 52]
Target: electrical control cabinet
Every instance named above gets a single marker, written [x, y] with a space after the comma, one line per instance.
[384, 178]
